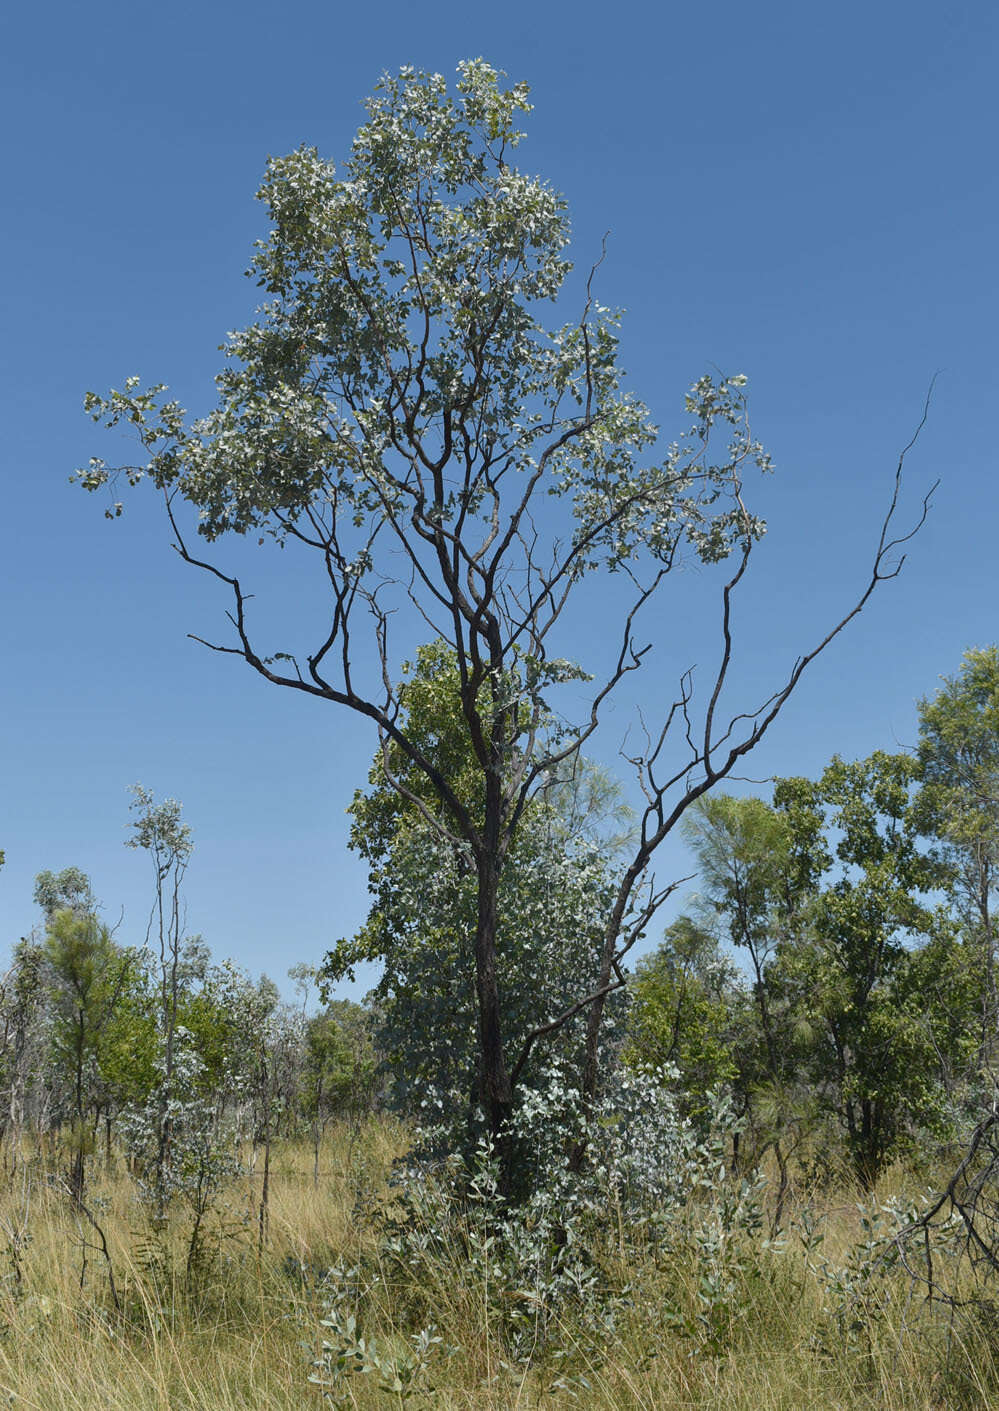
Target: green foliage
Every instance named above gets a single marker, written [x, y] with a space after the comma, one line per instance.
[859, 958]
[339, 1064]
[862, 993]
[959, 757]
[127, 1047]
[551, 1258]
[958, 803]
[159, 829]
[553, 891]
[88, 975]
[756, 875]
[752, 869]
[68, 890]
[431, 252]
[222, 1014]
[345, 1353]
[680, 1015]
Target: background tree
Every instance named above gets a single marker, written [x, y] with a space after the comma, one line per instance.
[68, 890]
[855, 959]
[958, 803]
[87, 973]
[25, 1041]
[128, 1046]
[682, 997]
[754, 877]
[338, 1077]
[159, 831]
[751, 880]
[403, 412]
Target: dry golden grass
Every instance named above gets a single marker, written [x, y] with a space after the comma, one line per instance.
[240, 1340]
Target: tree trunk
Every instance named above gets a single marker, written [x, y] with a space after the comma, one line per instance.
[265, 1193]
[76, 1177]
[495, 1088]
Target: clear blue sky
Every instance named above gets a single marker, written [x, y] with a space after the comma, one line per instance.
[803, 193]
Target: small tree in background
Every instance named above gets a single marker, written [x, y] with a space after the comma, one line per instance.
[159, 831]
[869, 941]
[26, 1048]
[680, 1016]
[87, 975]
[338, 1076]
[958, 803]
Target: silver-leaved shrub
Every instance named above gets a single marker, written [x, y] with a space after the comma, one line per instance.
[552, 1251]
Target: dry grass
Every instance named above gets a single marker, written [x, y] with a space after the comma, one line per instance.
[240, 1339]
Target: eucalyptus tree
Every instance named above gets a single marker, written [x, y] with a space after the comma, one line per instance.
[338, 1074]
[159, 830]
[325, 1079]
[406, 413]
[68, 890]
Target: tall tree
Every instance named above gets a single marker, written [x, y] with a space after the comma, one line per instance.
[404, 413]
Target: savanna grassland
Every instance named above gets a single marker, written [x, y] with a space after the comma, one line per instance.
[243, 1327]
